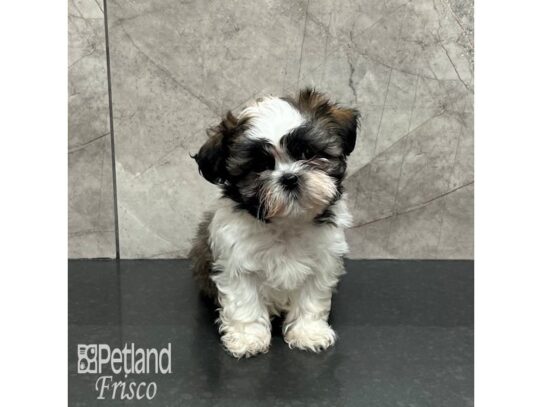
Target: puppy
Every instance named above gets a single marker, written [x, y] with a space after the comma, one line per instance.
[276, 241]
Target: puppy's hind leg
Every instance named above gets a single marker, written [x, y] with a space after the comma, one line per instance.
[202, 259]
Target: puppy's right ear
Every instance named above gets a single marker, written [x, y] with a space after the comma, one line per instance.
[212, 156]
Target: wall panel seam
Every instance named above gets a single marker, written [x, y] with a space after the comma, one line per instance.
[112, 132]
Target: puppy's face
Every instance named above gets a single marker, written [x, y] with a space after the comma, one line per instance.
[281, 158]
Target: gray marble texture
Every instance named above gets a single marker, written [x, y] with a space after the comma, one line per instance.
[177, 66]
[91, 225]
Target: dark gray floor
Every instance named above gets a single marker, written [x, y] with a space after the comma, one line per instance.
[405, 328]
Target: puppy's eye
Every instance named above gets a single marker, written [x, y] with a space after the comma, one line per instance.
[307, 153]
[263, 163]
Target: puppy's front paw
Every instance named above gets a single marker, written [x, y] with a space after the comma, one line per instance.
[247, 341]
[310, 335]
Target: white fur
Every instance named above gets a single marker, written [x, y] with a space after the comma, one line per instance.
[285, 265]
[271, 118]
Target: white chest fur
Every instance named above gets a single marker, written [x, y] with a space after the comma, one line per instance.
[281, 254]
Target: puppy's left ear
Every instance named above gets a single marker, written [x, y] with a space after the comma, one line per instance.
[347, 121]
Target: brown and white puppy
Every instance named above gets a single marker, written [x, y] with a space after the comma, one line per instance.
[276, 240]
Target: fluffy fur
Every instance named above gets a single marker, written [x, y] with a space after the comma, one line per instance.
[275, 242]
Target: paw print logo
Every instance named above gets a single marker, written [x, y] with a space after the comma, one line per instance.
[87, 358]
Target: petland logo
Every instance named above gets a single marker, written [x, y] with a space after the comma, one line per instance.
[98, 358]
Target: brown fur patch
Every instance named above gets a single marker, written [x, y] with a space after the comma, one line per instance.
[311, 102]
[315, 103]
[331, 116]
[202, 258]
[343, 115]
[318, 190]
[274, 203]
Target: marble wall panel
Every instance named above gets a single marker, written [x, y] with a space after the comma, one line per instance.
[176, 67]
[91, 225]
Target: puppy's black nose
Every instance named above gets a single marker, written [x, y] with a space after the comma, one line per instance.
[289, 181]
